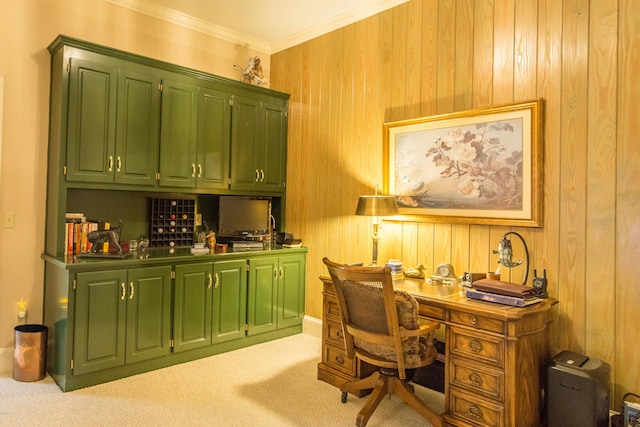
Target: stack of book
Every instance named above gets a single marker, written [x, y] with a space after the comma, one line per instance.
[77, 227]
[502, 293]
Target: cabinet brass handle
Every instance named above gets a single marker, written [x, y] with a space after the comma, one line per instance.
[475, 345]
[275, 273]
[257, 175]
[474, 320]
[217, 283]
[261, 175]
[281, 272]
[132, 290]
[475, 411]
[340, 360]
[199, 170]
[110, 163]
[475, 379]
[209, 281]
[118, 164]
[193, 170]
[124, 291]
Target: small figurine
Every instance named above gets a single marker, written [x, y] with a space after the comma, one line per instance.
[252, 73]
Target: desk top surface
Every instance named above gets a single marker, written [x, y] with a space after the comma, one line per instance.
[453, 297]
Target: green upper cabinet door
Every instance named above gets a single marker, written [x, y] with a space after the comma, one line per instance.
[178, 135]
[91, 137]
[138, 127]
[113, 123]
[259, 142]
[214, 138]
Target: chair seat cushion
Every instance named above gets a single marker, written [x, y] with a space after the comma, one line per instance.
[417, 351]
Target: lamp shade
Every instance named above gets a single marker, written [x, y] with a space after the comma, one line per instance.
[377, 206]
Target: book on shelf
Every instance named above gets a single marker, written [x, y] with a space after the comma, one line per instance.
[502, 299]
[76, 230]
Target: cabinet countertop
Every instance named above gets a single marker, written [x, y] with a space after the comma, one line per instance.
[155, 256]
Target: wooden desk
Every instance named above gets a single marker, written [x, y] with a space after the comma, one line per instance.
[495, 355]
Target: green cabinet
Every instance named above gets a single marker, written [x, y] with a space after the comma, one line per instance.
[210, 301]
[195, 135]
[192, 306]
[276, 297]
[214, 139]
[229, 300]
[259, 144]
[113, 118]
[121, 317]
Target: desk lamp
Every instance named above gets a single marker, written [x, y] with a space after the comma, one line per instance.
[376, 206]
[505, 254]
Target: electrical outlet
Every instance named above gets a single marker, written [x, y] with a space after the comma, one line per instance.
[9, 219]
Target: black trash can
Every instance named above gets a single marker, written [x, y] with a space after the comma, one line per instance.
[30, 354]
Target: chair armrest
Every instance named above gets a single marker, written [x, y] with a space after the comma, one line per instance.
[423, 330]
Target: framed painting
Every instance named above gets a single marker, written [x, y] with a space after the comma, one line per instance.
[480, 166]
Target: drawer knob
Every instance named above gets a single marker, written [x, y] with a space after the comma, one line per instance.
[475, 346]
[475, 379]
[475, 412]
[474, 320]
[339, 334]
[340, 360]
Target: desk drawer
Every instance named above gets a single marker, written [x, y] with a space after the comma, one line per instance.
[477, 347]
[475, 410]
[476, 378]
[337, 359]
[334, 334]
[477, 321]
[331, 308]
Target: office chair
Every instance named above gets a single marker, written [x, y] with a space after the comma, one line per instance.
[381, 327]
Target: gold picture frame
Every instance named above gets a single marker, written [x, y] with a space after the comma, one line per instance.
[481, 166]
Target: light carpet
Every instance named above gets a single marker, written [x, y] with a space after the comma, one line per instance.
[269, 384]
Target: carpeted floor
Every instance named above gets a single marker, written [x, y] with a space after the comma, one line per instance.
[270, 384]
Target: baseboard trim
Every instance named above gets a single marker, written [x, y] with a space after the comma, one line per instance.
[312, 326]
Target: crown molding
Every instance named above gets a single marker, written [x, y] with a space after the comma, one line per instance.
[195, 24]
[149, 8]
[339, 21]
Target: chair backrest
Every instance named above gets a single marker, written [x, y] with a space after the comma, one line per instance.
[368, 307]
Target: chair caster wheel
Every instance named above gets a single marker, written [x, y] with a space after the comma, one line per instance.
[344, 397]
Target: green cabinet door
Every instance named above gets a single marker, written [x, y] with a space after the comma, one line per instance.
[214, 138]
[245, 144]
[274, 134]
[229, 300]
[121, 317]
[192, 306]
[91, 121]
[138, 126]
[259, 144]
[291, 287]
[263, 280]
[100, 320]
[148, 313]
[178, 134]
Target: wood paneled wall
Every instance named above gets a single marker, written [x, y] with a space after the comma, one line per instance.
[436, 56]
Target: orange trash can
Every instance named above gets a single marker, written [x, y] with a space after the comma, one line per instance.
[30, 354]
